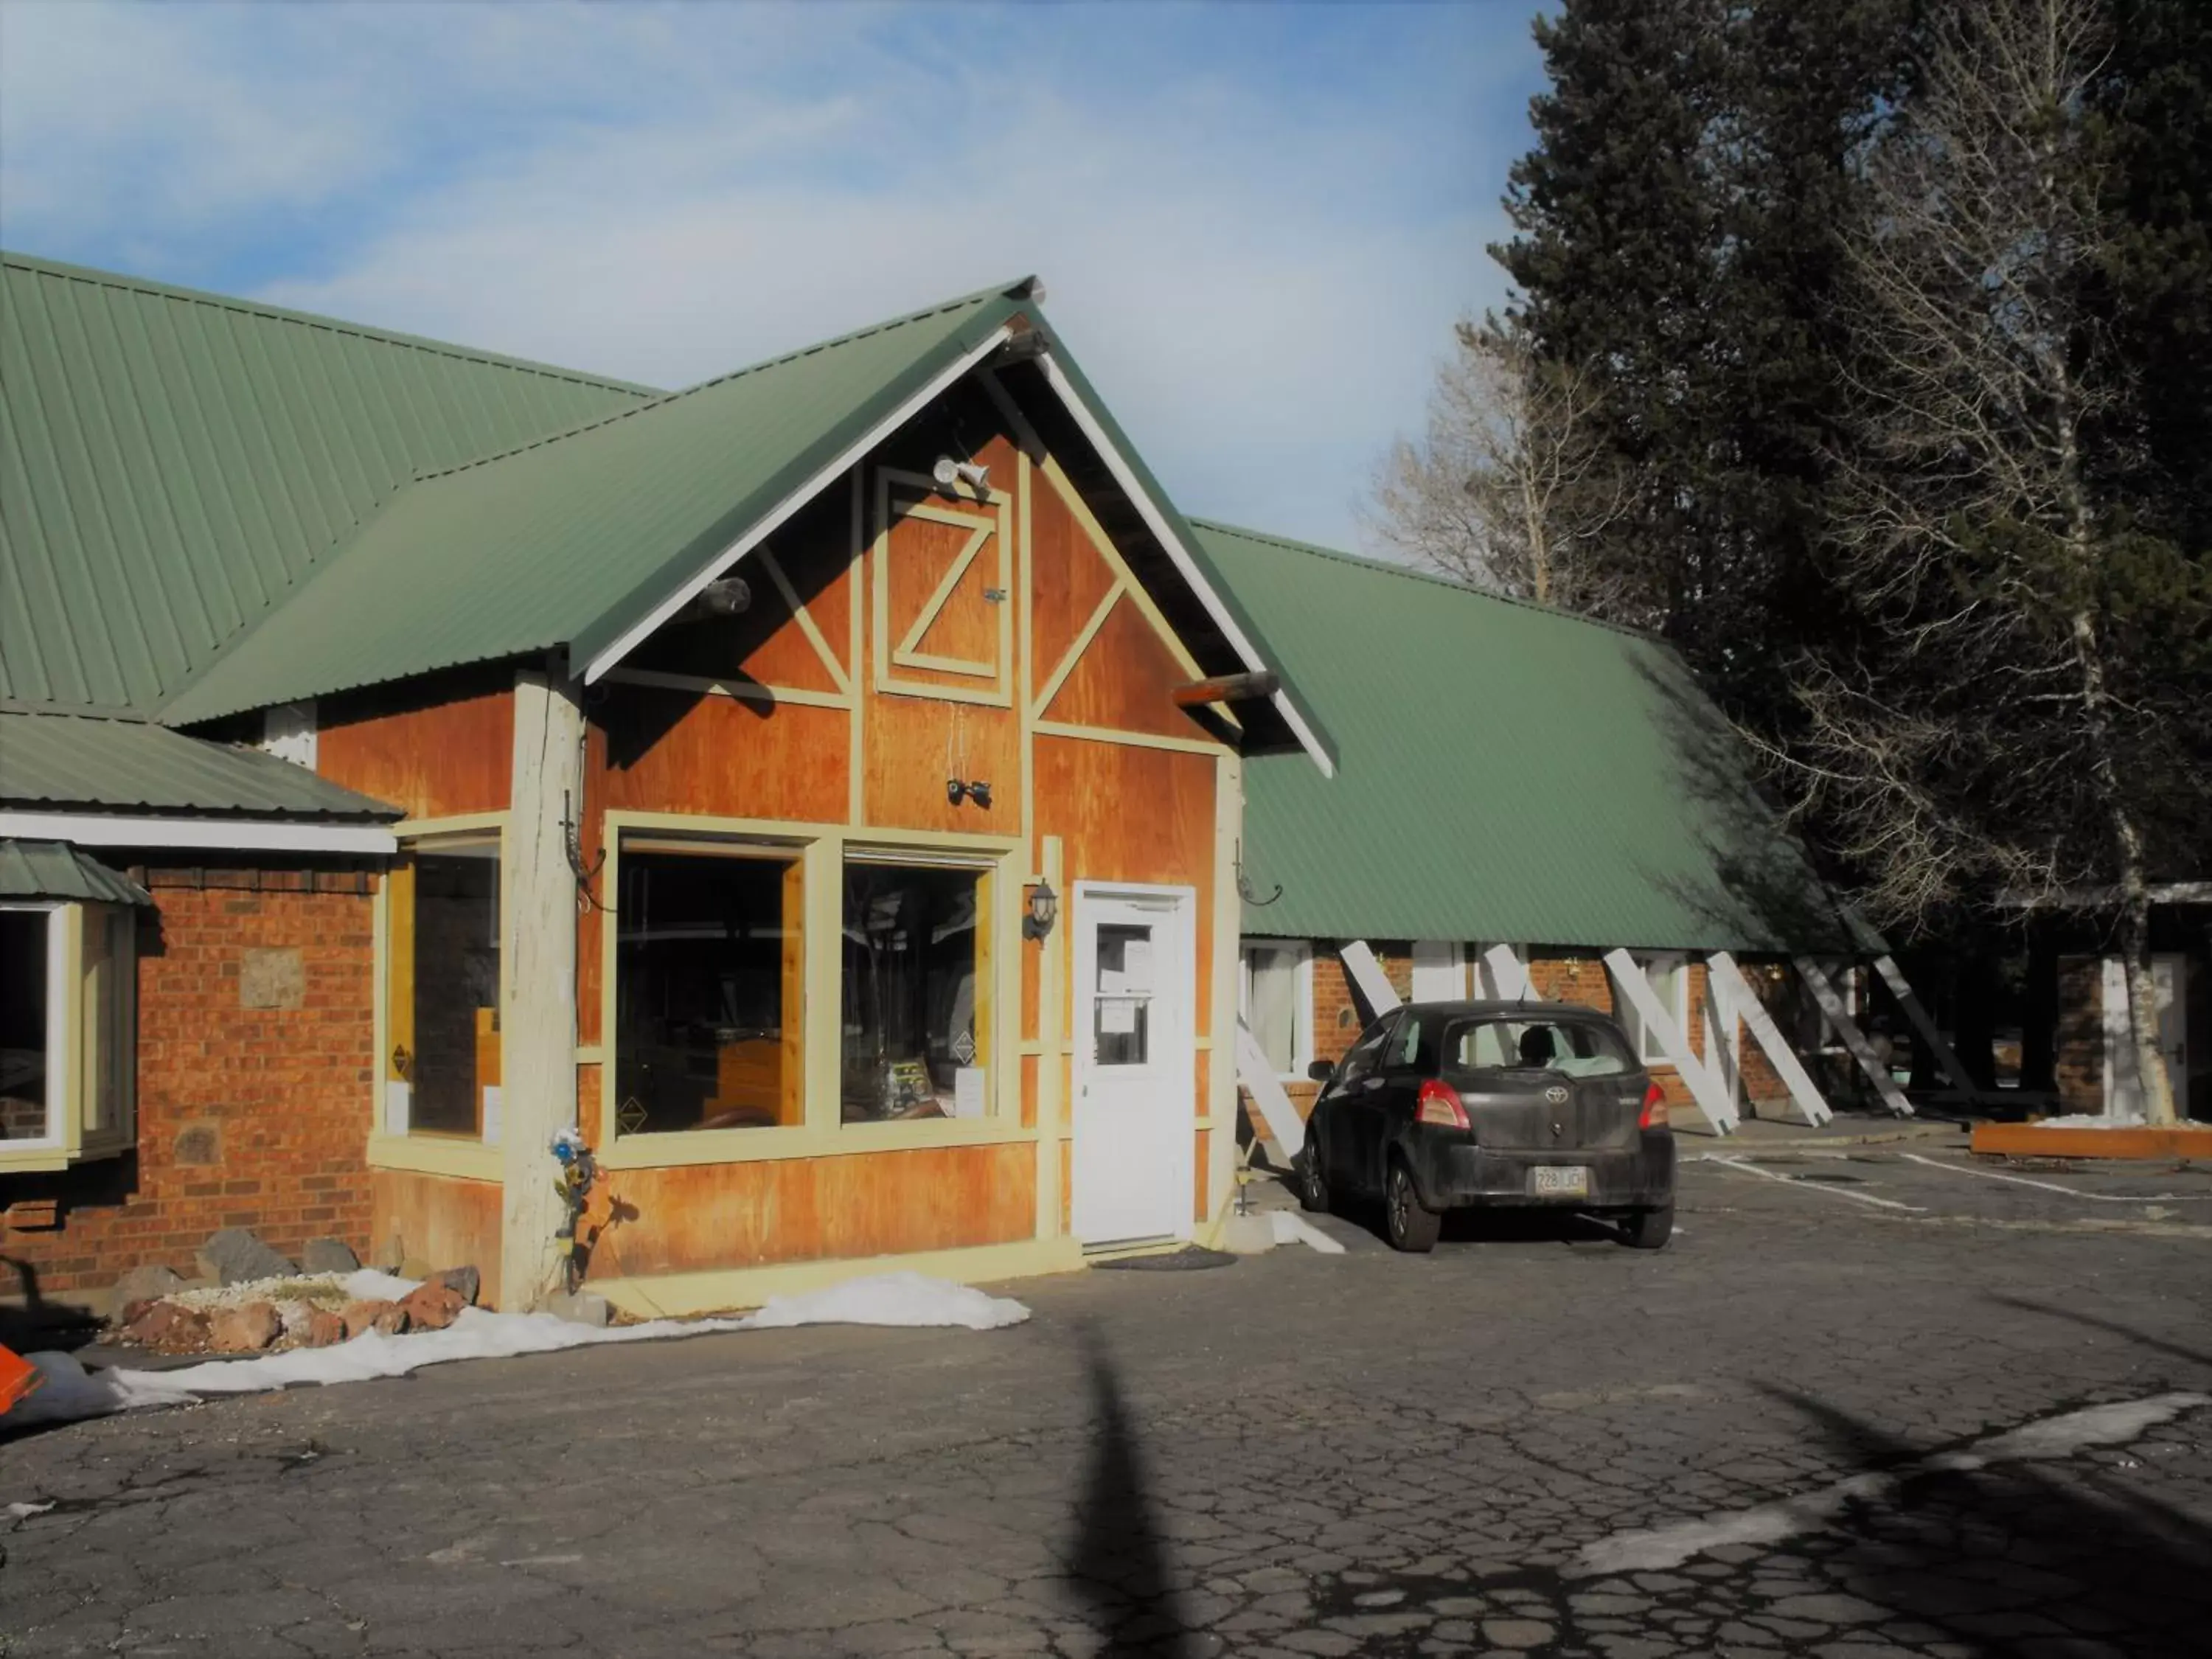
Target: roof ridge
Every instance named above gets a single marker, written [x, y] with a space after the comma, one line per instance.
[1021, 288]
[316, 319]
[1388, 567]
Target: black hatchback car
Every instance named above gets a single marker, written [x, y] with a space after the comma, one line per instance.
[1447, 1105]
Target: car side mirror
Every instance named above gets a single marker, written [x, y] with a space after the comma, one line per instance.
[1319, 1070]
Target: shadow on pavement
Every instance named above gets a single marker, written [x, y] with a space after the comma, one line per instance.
[2073, 1316]
[1119, 1563]
[2017, 1560]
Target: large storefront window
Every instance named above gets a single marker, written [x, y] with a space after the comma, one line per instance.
[443, 1069]
[916, 992]
[708, 970]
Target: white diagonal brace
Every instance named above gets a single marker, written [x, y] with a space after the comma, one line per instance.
[1721, 966]
[1374, 985]
[1946, 1057]
[1257, 1073]
[1848, 1033]
[1509, 975]
[1628, 977]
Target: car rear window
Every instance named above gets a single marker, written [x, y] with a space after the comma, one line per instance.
[1573, 1048]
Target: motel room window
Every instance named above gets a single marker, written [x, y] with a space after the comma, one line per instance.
[1668, 975]
[442, 999]
[916, 991]
[708, 1033]
[68, 1032]
[1276, 1000]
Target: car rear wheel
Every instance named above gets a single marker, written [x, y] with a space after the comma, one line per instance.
[1648, 1230]
[1313, 1180]
[1412, 1227]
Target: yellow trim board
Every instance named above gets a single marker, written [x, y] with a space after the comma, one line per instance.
[435, 1154]
[715, 1290]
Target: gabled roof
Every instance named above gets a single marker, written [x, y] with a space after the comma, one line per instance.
[1510, 773]
[571, 541]
[172, 465]
[57, 762]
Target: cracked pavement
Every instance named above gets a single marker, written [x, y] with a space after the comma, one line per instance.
[1300, 1454]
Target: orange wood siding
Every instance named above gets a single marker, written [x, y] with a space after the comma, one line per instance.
[1068, 577]
[1130, 814]
[1125, 680]
[436, 756]
[440, 1220]
[803, 1209]
[914, 743]
[682, 751]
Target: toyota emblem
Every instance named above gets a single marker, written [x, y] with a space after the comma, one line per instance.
[1556, 1095]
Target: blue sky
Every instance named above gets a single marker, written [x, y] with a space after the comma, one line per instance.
[1256, 223]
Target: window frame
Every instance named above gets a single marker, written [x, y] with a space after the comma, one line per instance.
[429, 1152]
[1677, 962]
[1301, 1022]
[92, 1034]
[822, 849]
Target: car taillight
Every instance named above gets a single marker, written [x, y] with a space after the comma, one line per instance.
[1439, 1102]
[1654, 1115]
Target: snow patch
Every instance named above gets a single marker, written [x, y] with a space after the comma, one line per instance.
[1663, 1547]
[69, 1392]
[2087, 1121]
[1292, 1228]
[25, 1511]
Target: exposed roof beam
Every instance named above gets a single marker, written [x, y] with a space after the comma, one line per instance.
[1229, 688]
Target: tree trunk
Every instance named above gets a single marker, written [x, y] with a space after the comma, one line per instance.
[2142, 1002]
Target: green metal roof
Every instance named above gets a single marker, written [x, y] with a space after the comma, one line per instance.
[1509, 773]
[173, 464]
[55, 762]
[55, 870]
[571, 541]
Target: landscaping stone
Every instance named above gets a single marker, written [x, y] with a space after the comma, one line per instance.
[467, 1280]
[323, 1329]
[387, 1318]
[328, 1256]
[414, 1268]
[247, 1329]
[431, 1306]
[581, 1307]
[168, 1328]
[147, 1284]
[234, 1255]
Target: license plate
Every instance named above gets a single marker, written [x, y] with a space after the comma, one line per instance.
[1562, 1180]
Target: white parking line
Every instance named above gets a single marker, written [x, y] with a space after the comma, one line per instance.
[2053, 1186]
[1792, 1180]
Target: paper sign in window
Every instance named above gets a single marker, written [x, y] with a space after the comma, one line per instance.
[967, 1091]
[1117, 1015]
[1136, 975]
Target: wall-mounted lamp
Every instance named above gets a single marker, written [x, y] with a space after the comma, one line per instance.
[1044, 910]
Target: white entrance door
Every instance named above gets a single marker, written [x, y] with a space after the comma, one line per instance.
[2123, 1091]
[1136, 1062]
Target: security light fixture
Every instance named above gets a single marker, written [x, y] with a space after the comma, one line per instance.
[949, 475]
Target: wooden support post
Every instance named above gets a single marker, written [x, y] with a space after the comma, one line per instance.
[1628, 978]
[1848, 1033]
[1721, 969]
[1368, 978]
[1894, 977]
[1258, 1077]
[538, 1097]
[1052, 1058]
[1509, 975]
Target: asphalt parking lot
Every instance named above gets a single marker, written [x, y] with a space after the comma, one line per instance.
[1874, 1400]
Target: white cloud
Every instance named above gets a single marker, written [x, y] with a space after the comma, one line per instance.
[1257, 276]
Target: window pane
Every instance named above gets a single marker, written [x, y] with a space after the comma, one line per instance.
[707, 993]
[1121, 1016]
[1273, 1010]
[24, 1083]
[456, 988]
[1574, 1047]
[916, 993]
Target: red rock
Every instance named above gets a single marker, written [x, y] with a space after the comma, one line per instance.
[169, 1328]
[134, 1311]
[324, 1328]
[432, 1306]
[387, 1317]
[247, 1328]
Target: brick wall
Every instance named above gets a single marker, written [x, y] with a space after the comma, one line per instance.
[254, 1065]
